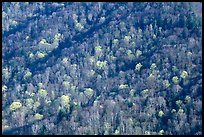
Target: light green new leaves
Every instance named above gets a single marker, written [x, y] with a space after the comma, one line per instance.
[89, 92]
[42, 92]
[64, 99]
[161, 113]
[101, 64]
[138, 66]
[175, 79]
[184, 74]
[123, 86]
[38, 116]
[15, 105]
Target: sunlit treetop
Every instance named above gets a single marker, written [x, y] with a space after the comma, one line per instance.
[42, 92]
[4, 88]
[153, 66]
[64, 100]
[138, 66]
[161, 132]
[15, 105]
[89, 92]
[43, 41]
[184, 74]
[175, 80]
[79, 26]
[123, 86]
[127, 38]
[38, 116]
[98, 48]
[161, 113]
[138, 53]
[166, 83]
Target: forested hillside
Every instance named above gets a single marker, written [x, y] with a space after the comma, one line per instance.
[100, 68]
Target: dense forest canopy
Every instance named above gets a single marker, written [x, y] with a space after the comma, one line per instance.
[101, 68]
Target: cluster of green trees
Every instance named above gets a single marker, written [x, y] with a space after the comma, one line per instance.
[130, 68]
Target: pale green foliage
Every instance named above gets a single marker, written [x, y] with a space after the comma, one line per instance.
[130, 54]
[127, 38]
[173, 110]
[145, 91]
[166, 83]
[98, 97]
[58, 37]
[65, 83]
[89, 92]
[112, 93]
[42, 92]
[99, 76]
[98, 48]
[180, 110]
[161, 132]
[95, 103]
[29, 103]
[41, 54]
[107, 126]
[138, 66]
[117, 132]
[36, 105]
[151, 76]
[3, 14]
[178, 103]
[40, 85]
[123, 86]
[79, 26]
[43, 41]
[132, 92]
[15, 105]
[65, 60]
[130, 121]
[76, 104]
[147, 133]
[175, 79]
[101, 64]
[161, 113]
[4, 88]
[189, 54]
[153, 66]
[38, 116]
[31, 55]
[115, 41]
[27, 75]
[138, 53]
[64, 99]
[184, 74]
[92, 59]
[32, 94]
[44, 44]
[106, 132]
[187, 98]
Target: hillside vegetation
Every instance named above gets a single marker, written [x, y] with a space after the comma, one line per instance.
[100, 68]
